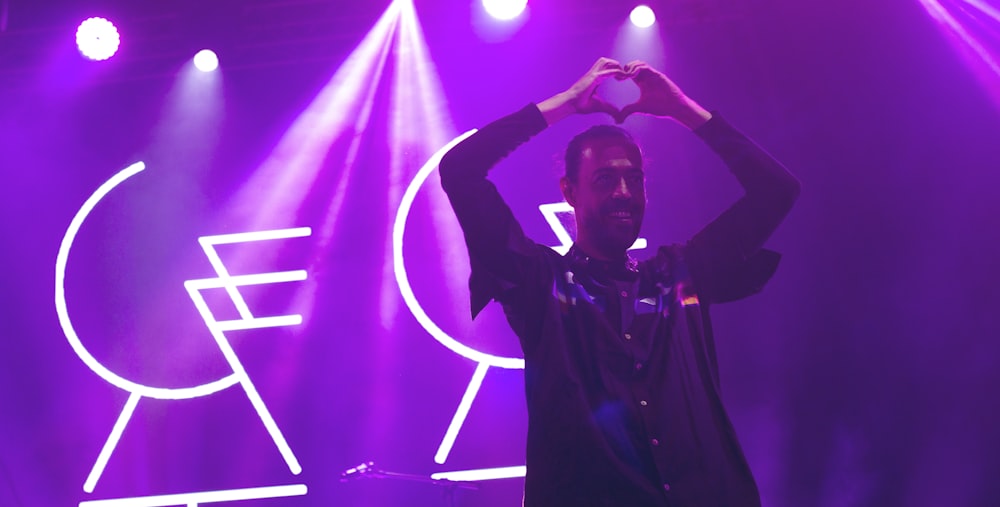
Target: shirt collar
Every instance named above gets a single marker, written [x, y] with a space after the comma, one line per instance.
[626, 268]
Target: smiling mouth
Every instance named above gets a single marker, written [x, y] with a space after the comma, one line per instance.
[621, 215]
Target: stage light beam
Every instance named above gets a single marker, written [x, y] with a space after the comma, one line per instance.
[206, 60]
[642, 16]
[97, 39]
[975, 50]
[505, 9]
[328, 133]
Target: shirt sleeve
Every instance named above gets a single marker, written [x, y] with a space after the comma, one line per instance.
[726, 258]
[501, 256]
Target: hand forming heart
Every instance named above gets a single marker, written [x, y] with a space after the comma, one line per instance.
[658, 95]
[583, 94]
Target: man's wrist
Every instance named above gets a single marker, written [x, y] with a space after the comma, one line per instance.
[556, 108]
[692, 115]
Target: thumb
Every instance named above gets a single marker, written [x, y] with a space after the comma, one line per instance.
[603, 106]
[627, 111]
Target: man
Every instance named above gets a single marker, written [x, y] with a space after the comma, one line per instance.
[621, 376]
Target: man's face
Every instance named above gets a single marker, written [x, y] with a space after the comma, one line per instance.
[609, 195]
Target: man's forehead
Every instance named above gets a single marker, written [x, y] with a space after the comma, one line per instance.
[611, 152]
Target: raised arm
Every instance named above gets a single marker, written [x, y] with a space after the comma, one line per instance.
[498, 248]
[726, 257]
[500, 253]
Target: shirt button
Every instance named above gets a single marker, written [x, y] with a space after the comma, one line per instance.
[666, 487]
[643, 403]
[624, 294]
[655, 442]
[628, 336]
[638, 366]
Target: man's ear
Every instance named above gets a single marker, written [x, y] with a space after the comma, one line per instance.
[568, 191]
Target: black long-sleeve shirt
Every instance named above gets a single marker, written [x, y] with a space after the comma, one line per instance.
[621, 375]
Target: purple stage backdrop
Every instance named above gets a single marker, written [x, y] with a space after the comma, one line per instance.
[232, 288]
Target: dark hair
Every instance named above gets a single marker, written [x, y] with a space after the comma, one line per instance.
[574, 151]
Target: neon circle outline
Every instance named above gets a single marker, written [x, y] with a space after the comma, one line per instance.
[398, 228]
[163, 393]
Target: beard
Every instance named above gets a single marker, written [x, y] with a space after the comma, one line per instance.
[613, 228]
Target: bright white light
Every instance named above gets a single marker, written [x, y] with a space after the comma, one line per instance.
[505, 9]
[642, 16]
[247, 320]
[225, 495]
[97, 39]
[482, 474]
[111, 443]
[206, 60]
[463, 410]
[208, 244]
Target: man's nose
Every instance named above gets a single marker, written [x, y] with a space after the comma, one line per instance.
[621, 189]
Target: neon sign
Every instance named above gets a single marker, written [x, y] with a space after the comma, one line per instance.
[137, 391]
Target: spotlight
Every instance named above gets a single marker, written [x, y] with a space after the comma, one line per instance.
[97, 39]
[206, 60]
[642, 16]
[505, 9]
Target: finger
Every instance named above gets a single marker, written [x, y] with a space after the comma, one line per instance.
[627, 111]
[603, 106]
[630, 66]
[599, 77]
[604, 74]
[626, 73]
[621, 115]
[605, 63]
[645, 72]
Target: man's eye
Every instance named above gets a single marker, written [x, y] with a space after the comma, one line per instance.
[604, 180]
